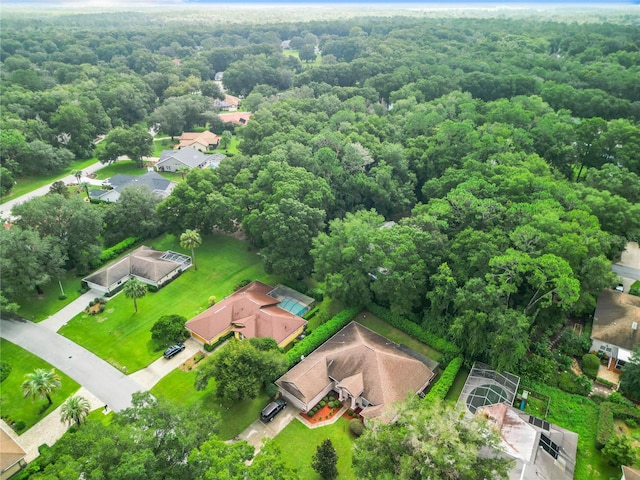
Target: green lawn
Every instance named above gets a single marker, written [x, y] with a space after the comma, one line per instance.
[298, 444]
[383, 328]
[14, 406]
[39, 307]
[27, 184]
[125, 167]
[580, 415]
[123, 338]
[160, 145]
[458, 385]
[178, 387]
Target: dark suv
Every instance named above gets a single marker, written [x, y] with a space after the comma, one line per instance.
[173, 350]
[271, 410]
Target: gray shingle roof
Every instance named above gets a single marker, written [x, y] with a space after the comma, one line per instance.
[153, 180]
[614, 317]
[189, 156]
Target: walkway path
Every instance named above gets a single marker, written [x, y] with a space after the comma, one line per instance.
[5, 208]
[107, 383]
[59, 319]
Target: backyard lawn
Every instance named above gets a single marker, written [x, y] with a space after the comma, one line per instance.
[15, 407]
[383, 328]
[123, 338]
[235, 418]
[298, 444]
[125, 167]
[580, 415]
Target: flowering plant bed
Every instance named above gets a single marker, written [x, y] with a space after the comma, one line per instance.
[323, 414]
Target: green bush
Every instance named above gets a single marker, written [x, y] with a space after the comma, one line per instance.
[573, 345]
[321, 335]
[631, 422]
[241, 283]
[356, 426]
[605, 382]
[571, 383]
[112, 252]
[323, 403]
[414, 330]
[605, 425]
[442, 386]
[590, 365]
[317, 294]
[5, 370]
[197, 357]
[19, 426]
[325, 398]
[271, 389]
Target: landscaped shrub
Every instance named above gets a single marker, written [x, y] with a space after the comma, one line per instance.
[325, 398]
[442, 386]
[271, 389]
[414, 330]
[321, 335]
[605, 382]
[323, 403]
[590, 365]
[572, 383]
[356, 426]
[631, 422]
[112, 252]
[5, 370]
[605, 427]
[212, 300]
[241, 283]
[573, 345]
[19, 426]
[197, 357]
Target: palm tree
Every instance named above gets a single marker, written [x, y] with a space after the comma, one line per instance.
[78, 174]
[75, 409]
[85, 186]
[191, 239]
[182, 171]
[135, 289]
[41, 383]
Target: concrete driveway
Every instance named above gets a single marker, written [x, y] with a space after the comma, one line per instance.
[107, 383]
[258, 430]
[628, 268]
[149, 376]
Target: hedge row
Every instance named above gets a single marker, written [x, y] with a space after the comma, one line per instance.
[321, 334]
[609, 411]
[414, 330]
[443, 385]
[112, 252]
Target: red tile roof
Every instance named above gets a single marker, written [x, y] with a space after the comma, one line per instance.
[249, 311]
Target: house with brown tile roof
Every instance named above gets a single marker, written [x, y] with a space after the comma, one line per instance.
[203, 141]
[615, 326]
[151, 266]
[239, 118]
[248, 313]
[11, 456]
[364, 368]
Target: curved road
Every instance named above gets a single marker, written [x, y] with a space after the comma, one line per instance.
[5, 208]
[106, 382]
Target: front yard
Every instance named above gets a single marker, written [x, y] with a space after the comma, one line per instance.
[36, 307]
[16, 408]
[178, 387]
[298, 444]
[123, 338]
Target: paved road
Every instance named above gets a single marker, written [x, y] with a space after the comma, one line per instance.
[5, 208]
[626, 272]
[107, 383]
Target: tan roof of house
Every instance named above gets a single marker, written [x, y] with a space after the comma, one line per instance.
[10, 451]
[363, 362]
[204, 138]
[630, 473]
[249, 311]
[241, 118]
[144, 262]
[614, 317]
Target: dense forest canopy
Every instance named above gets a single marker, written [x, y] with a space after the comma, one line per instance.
[504, 150]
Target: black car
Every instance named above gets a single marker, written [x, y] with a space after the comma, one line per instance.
[173, 350]
[271, 410]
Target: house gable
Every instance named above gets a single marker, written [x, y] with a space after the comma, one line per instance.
[361, 363]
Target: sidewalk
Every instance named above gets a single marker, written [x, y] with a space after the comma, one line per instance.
[59, 319]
